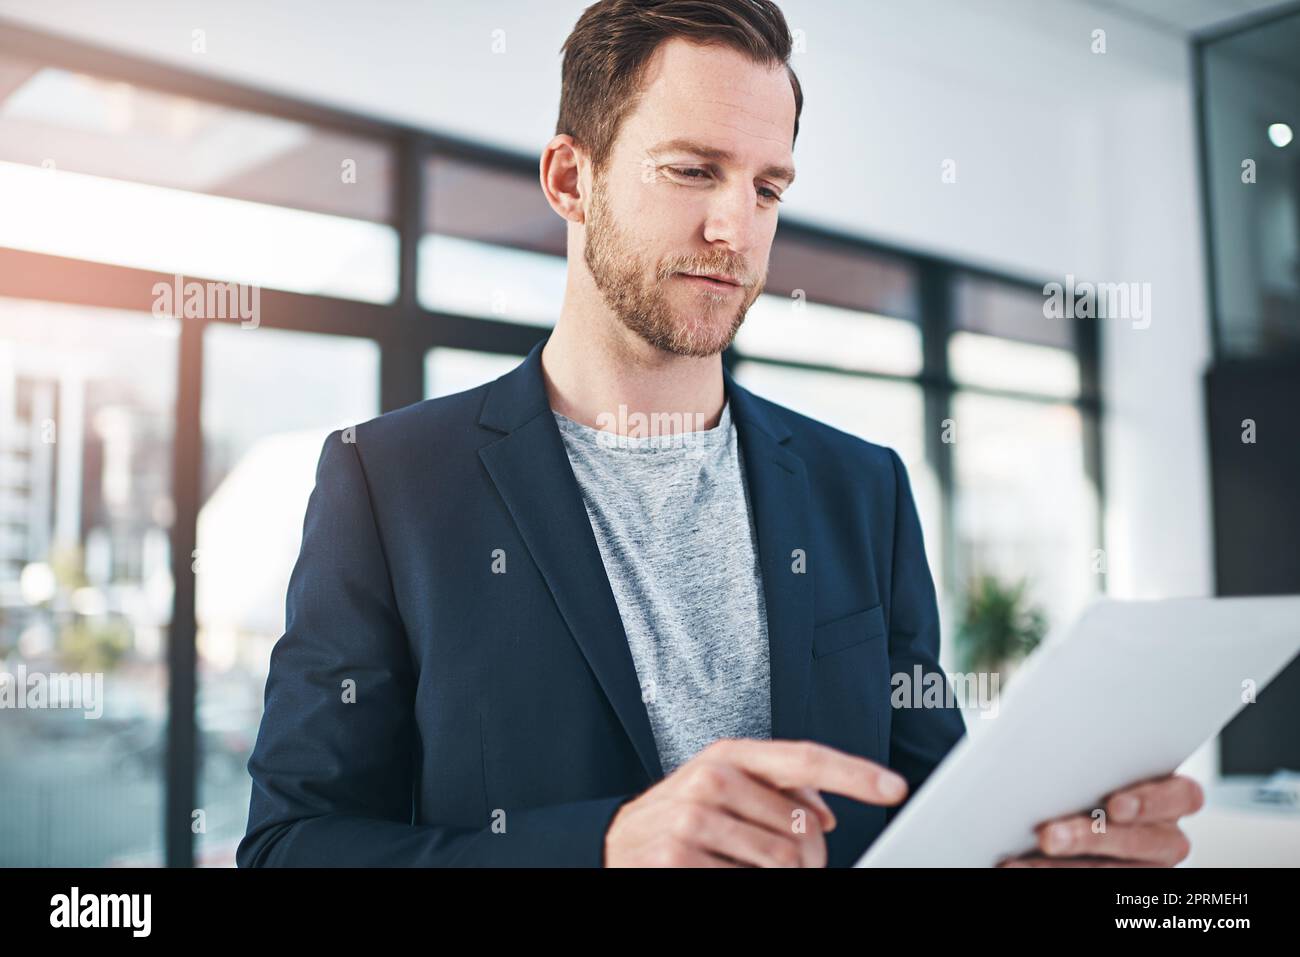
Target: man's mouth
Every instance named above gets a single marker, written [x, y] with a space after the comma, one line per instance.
[718, 281]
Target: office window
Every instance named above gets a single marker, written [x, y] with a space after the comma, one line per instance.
[996, 363]
[455, 370]
[261, 444]
[1250, 118]
[493, 248]
[87, 405]
[835, 273]
[469, 278]
[800, 331]
[995, 307]
[1024, 506]
[879, 410]
[114, 173]
[1003, 340]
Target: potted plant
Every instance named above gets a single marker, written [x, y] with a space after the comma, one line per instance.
[998, 627]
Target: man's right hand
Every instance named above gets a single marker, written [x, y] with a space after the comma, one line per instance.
[745, 802]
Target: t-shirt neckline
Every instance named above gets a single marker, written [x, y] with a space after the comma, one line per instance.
[653, 442]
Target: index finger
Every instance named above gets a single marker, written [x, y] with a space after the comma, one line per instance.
[789, 764]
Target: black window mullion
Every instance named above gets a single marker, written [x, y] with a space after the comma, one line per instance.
[182, 731]
[935, 306]
[402, 346]
[1087, 339]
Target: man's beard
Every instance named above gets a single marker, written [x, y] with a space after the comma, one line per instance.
[641, 302]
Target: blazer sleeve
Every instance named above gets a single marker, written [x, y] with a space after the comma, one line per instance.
[920, 737]
[332, 780]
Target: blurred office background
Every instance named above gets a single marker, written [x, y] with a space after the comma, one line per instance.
[372, 169]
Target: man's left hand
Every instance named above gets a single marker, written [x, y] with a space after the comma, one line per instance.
[1141, 830]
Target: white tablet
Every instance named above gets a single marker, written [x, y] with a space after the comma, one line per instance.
[1128, 694]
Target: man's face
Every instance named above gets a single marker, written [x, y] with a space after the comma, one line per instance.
[690, 187]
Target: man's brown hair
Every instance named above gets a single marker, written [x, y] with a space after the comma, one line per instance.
[606, 54]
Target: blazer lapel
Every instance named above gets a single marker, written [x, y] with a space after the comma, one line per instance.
[531, 470]
[779, 501]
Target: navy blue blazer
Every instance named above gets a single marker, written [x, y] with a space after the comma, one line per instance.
[454, 686]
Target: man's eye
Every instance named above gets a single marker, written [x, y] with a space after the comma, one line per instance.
[687, 172]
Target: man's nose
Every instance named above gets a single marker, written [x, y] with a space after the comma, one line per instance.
[731, 217]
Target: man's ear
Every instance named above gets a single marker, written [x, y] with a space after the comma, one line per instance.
[561, 168]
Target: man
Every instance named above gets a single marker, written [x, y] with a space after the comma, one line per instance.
[521, 632]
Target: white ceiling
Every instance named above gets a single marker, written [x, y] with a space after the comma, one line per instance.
[1186, 16]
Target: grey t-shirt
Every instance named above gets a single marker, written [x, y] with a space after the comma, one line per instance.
[671, 517]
